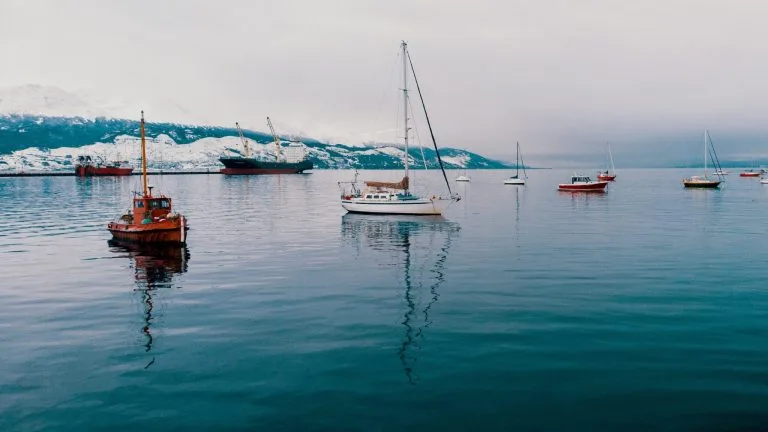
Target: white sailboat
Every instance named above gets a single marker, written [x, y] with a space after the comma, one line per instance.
[377, 197]
[464, 177]
[515, 179]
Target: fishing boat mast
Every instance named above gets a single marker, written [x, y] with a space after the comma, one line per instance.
[143, 155]
[242, 138]
[276, 138]
[404, 46]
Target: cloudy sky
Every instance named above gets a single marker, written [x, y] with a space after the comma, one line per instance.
[562, 77]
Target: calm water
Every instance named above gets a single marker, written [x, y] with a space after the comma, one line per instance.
[645, 308]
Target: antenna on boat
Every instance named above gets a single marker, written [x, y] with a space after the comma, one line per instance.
[242, 138]
[143, 155]
[277, 139]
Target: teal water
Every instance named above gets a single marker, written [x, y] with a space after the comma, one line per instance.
[645, 308]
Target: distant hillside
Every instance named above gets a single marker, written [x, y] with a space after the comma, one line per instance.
[29, 141]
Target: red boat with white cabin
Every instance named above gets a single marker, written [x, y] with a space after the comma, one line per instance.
[750, 173]
[580, 183]
[151, 219]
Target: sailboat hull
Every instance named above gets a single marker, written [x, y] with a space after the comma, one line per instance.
[701, 184]
[425, 207]
[514, 181]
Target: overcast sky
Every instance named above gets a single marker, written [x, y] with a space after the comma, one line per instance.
[563, 77]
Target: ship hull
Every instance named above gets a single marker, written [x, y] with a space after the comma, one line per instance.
[246, 166]
[159, 233]
[92, 171]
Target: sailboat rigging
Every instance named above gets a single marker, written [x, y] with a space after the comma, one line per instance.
[515, 179]
[608, 175]
[706, 182]
[378, 197]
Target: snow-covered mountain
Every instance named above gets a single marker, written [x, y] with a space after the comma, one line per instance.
[47, 128]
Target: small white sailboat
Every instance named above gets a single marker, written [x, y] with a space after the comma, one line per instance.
[378, 197]
[464, 177]
[515, 179]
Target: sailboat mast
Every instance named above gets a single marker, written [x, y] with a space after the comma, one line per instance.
[405, 102]
[705, 152]
[143, 155]
[517, 161]
[610, 155]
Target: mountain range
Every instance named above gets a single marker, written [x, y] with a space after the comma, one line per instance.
[46, 128]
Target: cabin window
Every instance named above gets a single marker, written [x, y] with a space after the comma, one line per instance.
[375, 197]
[367, 197]
[139, 204]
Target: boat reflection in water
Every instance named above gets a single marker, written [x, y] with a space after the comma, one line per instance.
[419, 245]
[154, 267]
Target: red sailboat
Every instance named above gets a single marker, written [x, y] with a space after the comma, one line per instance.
[608, 175]
[151, 219]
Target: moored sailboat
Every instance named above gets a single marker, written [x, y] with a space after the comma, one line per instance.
[377, 197]
[151, 219]
[705, 182]
[515, 179]
[607, 175]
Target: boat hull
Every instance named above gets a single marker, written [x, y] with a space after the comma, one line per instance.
[462, 179]
[419, 207]
[589, 187]
[749, 174]
[248, 166]
[701, 184]
[517, 182]
[167, 232]
[92, 171]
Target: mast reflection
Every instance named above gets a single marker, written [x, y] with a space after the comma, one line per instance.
[421, 244]
[153, 268]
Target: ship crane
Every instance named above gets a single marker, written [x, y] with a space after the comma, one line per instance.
[247, 149]
[276, 138]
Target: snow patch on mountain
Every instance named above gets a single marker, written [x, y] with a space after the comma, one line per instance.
[459, 161]
[162, 153]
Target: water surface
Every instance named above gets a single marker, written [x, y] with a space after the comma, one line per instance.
[644, 308]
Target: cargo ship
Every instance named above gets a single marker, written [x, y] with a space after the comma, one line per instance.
[295, 162]
[87, 166]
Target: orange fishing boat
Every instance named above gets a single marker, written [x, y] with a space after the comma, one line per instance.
[151, 218]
